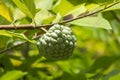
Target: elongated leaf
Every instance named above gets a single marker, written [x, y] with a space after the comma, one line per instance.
[26, 6]
[31, 6]
[21, 36]
[18, 35]
[5, 33]
[92, 6]
[4, 11]
[97, 22]
[12, 75]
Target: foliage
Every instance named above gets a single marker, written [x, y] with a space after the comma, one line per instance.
[95, 23]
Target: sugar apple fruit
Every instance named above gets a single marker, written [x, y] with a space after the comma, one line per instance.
[58, 43]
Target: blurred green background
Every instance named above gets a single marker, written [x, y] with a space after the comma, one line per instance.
[97, 52]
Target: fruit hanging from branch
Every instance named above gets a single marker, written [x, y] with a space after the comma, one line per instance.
[58, 43]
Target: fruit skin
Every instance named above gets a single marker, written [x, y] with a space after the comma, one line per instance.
[58, 43]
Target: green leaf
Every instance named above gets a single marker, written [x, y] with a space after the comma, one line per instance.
[77, 10]
[66, 7]
[44, 4]
[39, 17]
[63, 7]
[97, 22]
[117, 6]
[18, 14]
[5, 33]
[26, 6]
[4, 11]
[103, 1]
[4, 38]
[21, 36]
[103, 63]
[57, 19]
[3, 41]
[31, 6]
[18, 35]
[12, 75]
[3, 21]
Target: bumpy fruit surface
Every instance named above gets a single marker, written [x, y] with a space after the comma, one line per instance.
[58, 43]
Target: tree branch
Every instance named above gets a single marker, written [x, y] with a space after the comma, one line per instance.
[32, 26]
[23, 27]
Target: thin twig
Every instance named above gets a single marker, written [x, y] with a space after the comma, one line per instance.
[31, 26]
[43, 29]
[10, 48]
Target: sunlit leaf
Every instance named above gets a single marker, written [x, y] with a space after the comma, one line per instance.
[5, 33]
[12, 75]
[26, 6]
[77, 10]
[97, 22]
[92, 6]
[63, 7]
[4, 11]
[115, 7]
[39, 17]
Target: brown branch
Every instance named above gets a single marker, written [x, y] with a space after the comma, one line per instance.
[23, 27]
[31, 26]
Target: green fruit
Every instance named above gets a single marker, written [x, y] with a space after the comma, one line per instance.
[58, 43]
